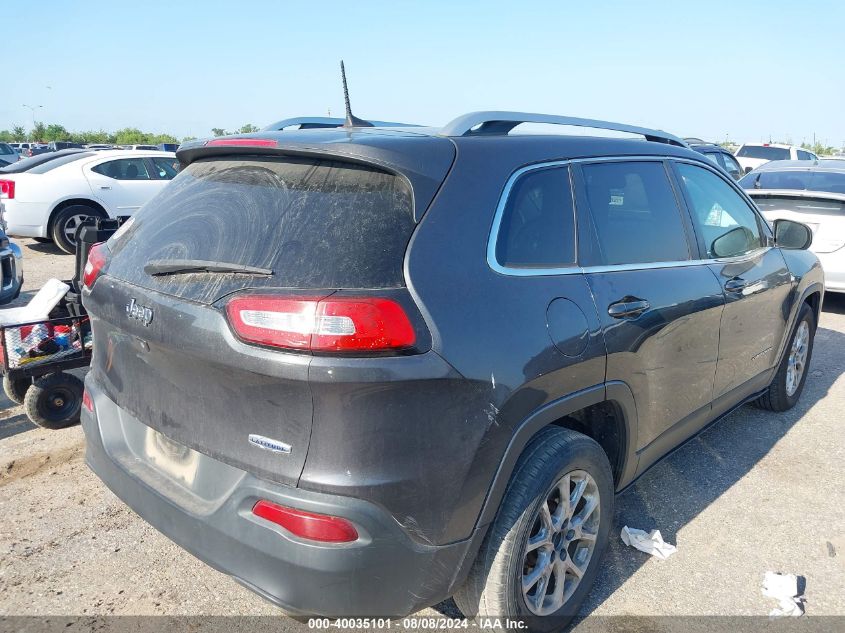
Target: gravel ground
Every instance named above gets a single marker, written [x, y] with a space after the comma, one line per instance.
[759, 491]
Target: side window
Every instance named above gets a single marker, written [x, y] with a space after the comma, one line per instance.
[732, 166]
[635, 214]
[537, 228]
[727, 225]
[124, 169]
[166, 168]
[802, 155]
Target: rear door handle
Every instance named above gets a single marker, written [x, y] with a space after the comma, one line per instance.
[104, 187]
[628, 308]
[736, 284]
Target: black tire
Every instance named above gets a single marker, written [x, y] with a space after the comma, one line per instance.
[493, 588]
[54, 401]
[777, 398]
[63, 219]
[15, 390]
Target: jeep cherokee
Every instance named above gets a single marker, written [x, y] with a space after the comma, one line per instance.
[364, 369]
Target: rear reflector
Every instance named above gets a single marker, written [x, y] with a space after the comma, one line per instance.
[314, 527]
[332, 324]
[7, 189]
[87, 403]
[97, 257]
[242, 142]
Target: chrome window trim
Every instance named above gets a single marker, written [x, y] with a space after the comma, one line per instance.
[493, 238]
[575, 268]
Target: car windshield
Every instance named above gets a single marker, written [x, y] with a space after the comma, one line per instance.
[803, 180]
[763, 151]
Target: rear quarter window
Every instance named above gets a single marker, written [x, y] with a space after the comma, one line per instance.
[764, 152]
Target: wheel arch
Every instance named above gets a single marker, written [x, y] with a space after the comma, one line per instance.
[88, 202]
[615, 395]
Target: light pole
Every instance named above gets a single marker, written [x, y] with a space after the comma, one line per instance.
[32, 109]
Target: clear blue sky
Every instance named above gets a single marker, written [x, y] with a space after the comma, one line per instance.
[748, 69]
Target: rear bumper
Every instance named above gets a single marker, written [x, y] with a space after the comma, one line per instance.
[834, 270]
[384, 572]
[11, 273]
[26, 219]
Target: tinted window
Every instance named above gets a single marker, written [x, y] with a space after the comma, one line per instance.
[314, 223]
[6, 149]
[537, 227]
[802, 155]
[42, 163]
[635, 213]
[717, 210]
[714, 156]
[166, 168]
[124, 169]
[801, 180]
[765, 152]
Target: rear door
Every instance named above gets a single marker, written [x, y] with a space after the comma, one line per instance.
[659, 309]
[756, 283]
[123, 185]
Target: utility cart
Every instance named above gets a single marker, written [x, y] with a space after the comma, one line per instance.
[37, 355]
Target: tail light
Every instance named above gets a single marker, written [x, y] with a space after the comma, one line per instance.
[7, 189]
[314, 527]
[330, 324]
[242, 142]
[87, 402]
[97, 257]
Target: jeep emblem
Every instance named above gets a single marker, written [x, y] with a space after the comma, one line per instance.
[139, 313]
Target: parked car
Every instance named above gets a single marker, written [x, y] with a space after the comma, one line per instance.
[54, 146]
[48, 199]
[752, 155]
[812, 192]
[148, 148]
[11, 265]
[8, 154]
[168, 147]
[362, 370]
[99, 146]
[719, 155]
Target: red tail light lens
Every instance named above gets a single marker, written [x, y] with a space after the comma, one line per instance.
[331, 324]
[97, 257]
[307, 525]
[242, 142]
[7, 189]
[87, 402]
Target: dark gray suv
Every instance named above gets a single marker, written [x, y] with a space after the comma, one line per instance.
[365, 369]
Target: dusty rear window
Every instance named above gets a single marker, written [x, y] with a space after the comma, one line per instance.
[314, 223]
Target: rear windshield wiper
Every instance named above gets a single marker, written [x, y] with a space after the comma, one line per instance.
[186, 266]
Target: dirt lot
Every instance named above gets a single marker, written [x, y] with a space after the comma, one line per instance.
[757, 492]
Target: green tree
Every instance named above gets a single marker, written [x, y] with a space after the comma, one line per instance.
[218, 131]
[18, 133]
[130, 136]
[189, 138]
[56, 132]
[248, 129]
[5, 136]
[38, 133]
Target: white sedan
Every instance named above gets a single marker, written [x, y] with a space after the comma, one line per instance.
[47, 199]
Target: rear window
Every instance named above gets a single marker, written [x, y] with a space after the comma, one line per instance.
[43, 163]
[761, 151]
[819, 180]
[314, 223]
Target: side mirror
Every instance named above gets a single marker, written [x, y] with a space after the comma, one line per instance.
[734, 242]
[747, 169]
[792, 235]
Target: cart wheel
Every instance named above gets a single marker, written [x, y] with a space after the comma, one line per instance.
[54, 401]
[16, 389]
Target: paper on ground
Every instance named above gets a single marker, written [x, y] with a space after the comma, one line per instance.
[648, 542]
[784, 588]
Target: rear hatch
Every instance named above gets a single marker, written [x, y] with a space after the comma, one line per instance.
[164, 350]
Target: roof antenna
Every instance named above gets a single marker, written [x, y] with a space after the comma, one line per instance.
[351, 119]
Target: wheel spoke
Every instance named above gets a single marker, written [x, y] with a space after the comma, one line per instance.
[539, 570]
[580, 487]
[571, 566]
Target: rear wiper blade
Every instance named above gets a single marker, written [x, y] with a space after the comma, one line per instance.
[186, 266]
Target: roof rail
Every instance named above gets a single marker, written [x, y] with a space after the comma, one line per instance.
[312, 122]
[498, 123]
